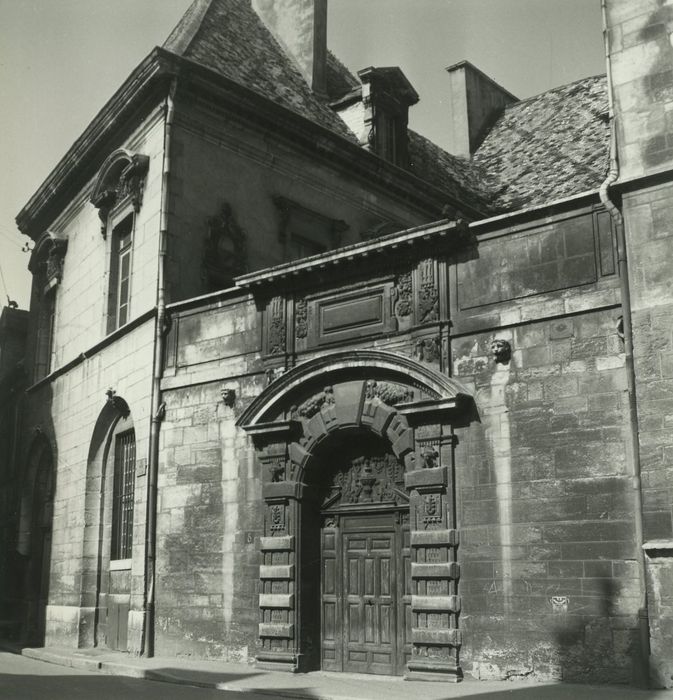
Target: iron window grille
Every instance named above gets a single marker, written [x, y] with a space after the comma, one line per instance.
[123, 495]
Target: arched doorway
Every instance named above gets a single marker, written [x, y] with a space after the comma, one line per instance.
[357, 453]
[108, 532]
[356, 554]
[34, 543]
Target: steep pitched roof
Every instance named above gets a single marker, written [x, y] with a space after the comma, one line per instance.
[340, 81]
[228, 37]
[541, 149]
[548, 147]
[462, 177]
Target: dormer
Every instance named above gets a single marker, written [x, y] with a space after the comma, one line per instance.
[386, 98]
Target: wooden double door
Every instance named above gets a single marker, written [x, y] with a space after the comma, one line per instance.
[365, 595]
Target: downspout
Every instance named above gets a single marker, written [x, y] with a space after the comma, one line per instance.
[642, 669]
[157, 407]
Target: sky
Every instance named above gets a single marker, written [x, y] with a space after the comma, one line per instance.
[60, 60]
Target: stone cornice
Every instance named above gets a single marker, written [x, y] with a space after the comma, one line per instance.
[85, 156]
[453, 232]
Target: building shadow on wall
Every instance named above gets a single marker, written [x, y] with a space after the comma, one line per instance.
[590, 647]
[657, 84]
[31, 556]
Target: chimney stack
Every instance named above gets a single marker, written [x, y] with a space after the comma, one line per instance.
[475, 102]
[300, 27]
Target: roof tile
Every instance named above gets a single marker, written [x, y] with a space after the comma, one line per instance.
[548, 147]
[228, 37]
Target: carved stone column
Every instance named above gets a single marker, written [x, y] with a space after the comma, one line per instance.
[279, 624]
[434, 570]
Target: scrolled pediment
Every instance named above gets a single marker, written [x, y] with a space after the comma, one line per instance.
[48, 256]
[122, 175]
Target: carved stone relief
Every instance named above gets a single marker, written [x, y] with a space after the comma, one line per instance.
[427, 350]
[55, 261]
[301, 318]
[124, 176]
[429, 456]
[403, 287]
[311, 406]
[273, 373]
[277, 343]
[431, 508]
[225, 250]
[377, 479]
[277, 517]
[390, 394]
[501, 351]
[428, 294]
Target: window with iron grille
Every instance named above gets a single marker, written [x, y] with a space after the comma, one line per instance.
[123, 491]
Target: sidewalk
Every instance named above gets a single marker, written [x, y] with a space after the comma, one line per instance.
[320, 685]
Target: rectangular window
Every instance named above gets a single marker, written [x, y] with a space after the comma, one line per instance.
[123, 495]
[301, 247]
[120, 274]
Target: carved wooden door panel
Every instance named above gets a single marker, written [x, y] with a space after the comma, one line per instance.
[369, 622]
[331, 601]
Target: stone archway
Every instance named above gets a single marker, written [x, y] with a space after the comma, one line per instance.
[100, 591]
[34, 540]
[412, 409]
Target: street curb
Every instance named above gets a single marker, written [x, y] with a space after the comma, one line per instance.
[80, 663]
[274, 692]
[113, 668]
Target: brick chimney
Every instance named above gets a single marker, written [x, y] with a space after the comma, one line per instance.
[475, 102]
[300, 27]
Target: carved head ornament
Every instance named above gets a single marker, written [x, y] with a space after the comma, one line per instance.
[501, 350]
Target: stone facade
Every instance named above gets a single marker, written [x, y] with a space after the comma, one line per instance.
[345, 432]
[641, 68]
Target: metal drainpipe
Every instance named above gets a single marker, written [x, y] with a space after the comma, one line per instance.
[157, 373]
[642, 670]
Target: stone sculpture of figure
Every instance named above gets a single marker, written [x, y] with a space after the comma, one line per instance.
[429, 456]
[277, 471]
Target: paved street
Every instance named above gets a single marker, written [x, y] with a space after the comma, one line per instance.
[26, 679]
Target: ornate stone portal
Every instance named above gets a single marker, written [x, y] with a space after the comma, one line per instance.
[292, 424]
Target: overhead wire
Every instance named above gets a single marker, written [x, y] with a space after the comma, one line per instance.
[4, 285]
[9, 240]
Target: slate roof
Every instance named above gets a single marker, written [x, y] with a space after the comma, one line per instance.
[541, 149]
[228, 37]
[548, 147]
[460, 176]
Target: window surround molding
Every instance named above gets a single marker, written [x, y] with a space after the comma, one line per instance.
[121, 178]
[122, 462]
[46, 265]
[120, 265]
[48, 258]
[294, 215]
